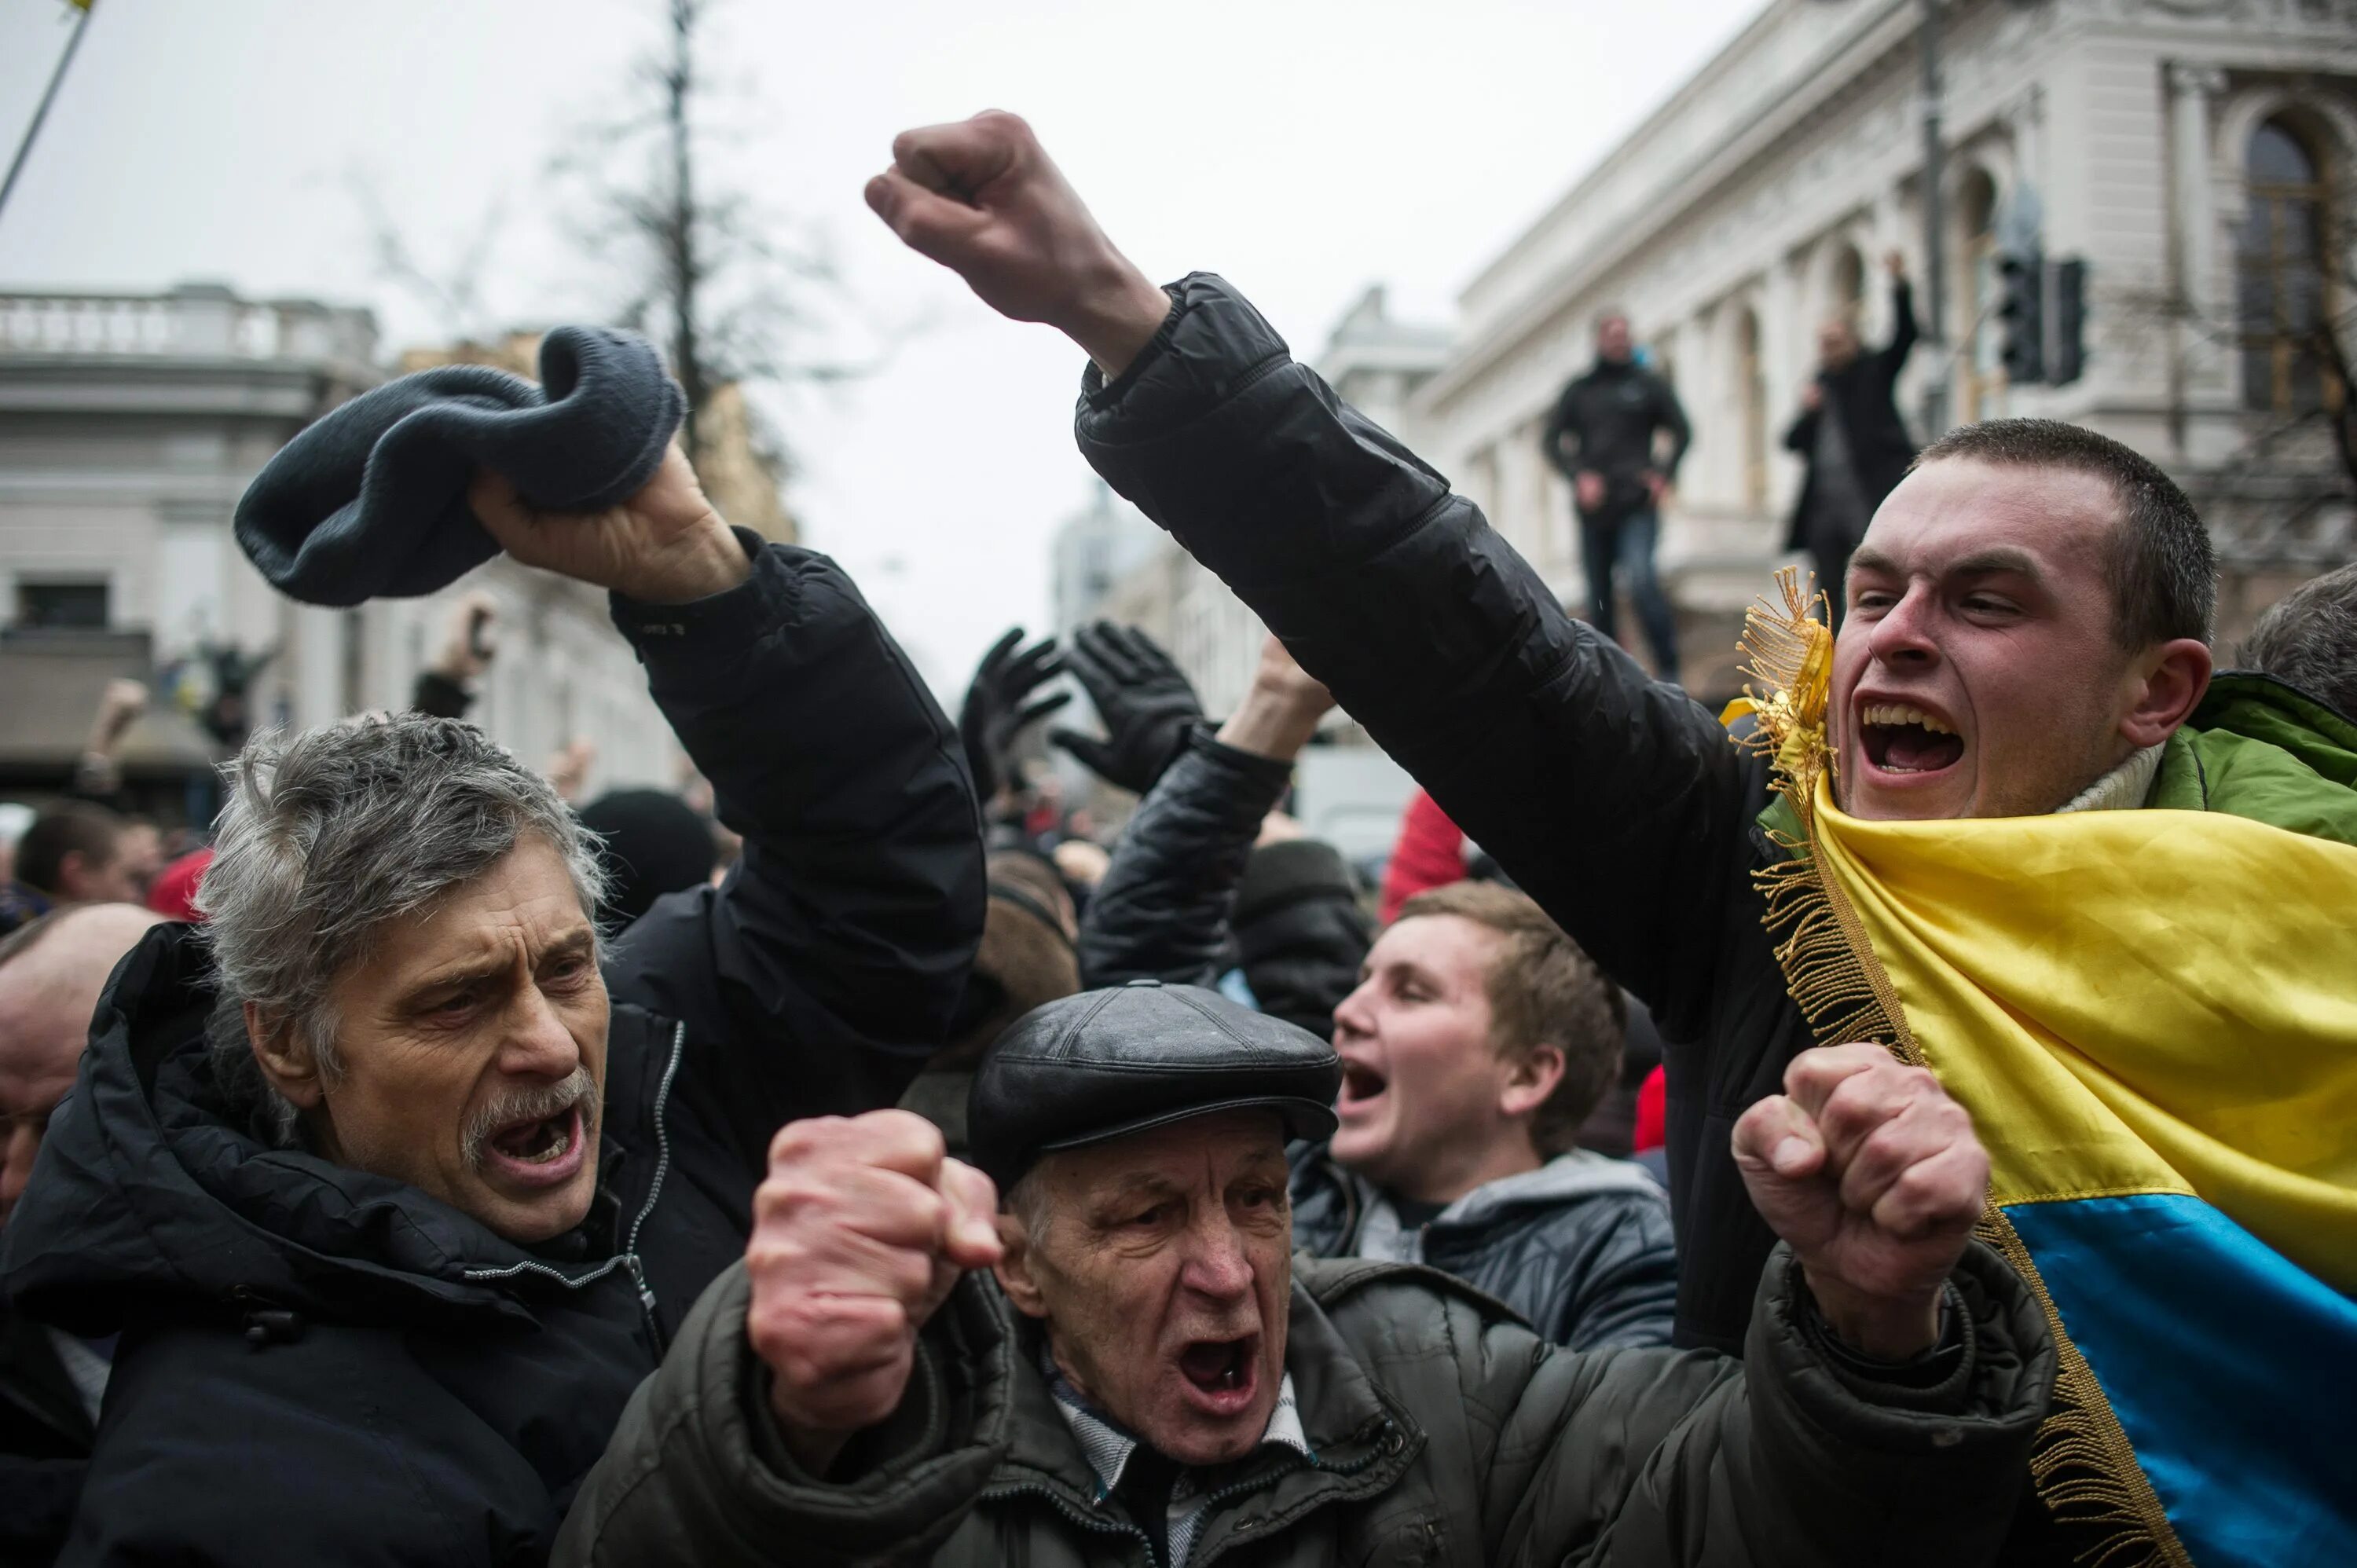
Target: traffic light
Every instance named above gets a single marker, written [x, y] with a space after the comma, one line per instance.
[2022, 309]
[2069, 322]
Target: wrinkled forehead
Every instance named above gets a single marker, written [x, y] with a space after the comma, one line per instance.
[1957, 512]
[1198, 1153]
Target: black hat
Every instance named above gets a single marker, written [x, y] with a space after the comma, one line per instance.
[1104, 1063]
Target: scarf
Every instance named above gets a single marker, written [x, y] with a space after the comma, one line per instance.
[2151, 1016]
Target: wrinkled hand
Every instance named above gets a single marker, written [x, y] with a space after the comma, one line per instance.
[1587, 488]
[665, 545]
[981, 198]
[1872, 1173]
[859, 1232]
[1144, 700]
[995, 710]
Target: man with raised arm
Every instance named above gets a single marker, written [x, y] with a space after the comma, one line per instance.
[2028, 635]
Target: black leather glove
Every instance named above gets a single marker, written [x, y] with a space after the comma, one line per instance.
[994, 712]
[1148, 705]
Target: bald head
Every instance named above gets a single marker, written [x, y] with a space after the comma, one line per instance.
[50, 975]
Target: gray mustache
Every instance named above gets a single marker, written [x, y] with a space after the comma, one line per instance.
[529, 1105]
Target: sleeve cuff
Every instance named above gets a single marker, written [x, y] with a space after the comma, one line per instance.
[720, 624]
[1099, 393]
[1933, 1380]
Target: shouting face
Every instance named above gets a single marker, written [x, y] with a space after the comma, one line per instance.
[1430, 1109]
[1162, 1264]
[471, 1044]
[1977, 674]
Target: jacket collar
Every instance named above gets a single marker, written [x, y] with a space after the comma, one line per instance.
[1357, 1442]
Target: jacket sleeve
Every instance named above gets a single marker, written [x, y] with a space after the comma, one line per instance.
[1671, 415]
[1563, 422]
[696, 1472]
[1617, 803]
[1162, 911]
[1893, 359]
[1801, 434]
[1629, 1293]
[1652, 1458]
[818, 977]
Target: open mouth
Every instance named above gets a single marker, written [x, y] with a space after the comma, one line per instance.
[1221, 1372]
[538, 1150]
[1361, 1083]
[1900, 738]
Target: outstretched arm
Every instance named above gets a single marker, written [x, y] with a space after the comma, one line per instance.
[1902, 313]
[825, 969]
[1616, 802]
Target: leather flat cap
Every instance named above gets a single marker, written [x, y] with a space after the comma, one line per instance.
[1103, 1064]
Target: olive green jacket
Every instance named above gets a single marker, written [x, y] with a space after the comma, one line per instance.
[1441, 1431]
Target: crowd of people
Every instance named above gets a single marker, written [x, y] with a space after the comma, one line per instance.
[860, 1161]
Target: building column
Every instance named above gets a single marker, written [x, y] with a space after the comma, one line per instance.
[2191, 89]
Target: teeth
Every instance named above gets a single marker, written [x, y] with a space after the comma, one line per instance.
[1901, 713]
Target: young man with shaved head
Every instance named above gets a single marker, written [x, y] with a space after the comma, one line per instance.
[2029, 634]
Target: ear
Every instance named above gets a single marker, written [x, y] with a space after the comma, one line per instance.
[1014, 1268]
[284, 1058]
[1529, 1079]
[2167, 684]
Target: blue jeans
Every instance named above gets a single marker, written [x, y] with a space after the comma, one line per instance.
[1626, 539]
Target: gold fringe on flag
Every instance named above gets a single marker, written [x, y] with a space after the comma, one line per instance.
[2083, 1467]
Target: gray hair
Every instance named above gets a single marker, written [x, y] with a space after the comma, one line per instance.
[330, 834]
[2310, 638]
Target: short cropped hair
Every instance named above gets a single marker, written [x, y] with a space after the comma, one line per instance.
[1543, 990]
[2310, 638]
[332, 833]
[2163, 573]
[74, 828]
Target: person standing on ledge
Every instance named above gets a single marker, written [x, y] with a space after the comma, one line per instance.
[1600, 437]
[1852, 438]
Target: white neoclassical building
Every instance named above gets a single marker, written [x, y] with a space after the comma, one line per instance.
[129, 426]
[2195, 154]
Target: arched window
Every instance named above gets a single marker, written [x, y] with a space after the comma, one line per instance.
[2280, 257]
[1981, 367]
[1752, 382]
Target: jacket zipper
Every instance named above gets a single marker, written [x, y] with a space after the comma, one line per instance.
[1234, 1490]
[1085, 1519]
[628, 1257]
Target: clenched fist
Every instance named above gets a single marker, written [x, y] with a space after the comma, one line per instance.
[859, 1232]
[982, 198]
[665, 545]
[1872, 1173]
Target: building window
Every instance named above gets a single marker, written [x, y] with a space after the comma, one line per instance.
[51, 606]
[2279, 258]
[1981, 367]
[1751, 379]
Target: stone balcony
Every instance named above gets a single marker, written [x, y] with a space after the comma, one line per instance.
[194, 321]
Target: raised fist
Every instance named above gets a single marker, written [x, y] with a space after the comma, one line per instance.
[859, 1232]
[981, 198]
[1872, 1173]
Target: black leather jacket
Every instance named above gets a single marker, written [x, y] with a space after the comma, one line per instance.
[1580, 1248]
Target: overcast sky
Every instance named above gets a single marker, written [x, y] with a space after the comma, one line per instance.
[1304, 148]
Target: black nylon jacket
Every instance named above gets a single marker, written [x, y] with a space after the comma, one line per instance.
[1866, 393]
[322, 1366]
[1608, 417]
[1188, 897]
[1618, 804]
[1441, 1435]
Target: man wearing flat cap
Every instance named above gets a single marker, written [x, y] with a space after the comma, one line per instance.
[1126, 1364]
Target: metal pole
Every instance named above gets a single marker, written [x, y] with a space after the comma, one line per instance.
[1934, 314]
[25, 147]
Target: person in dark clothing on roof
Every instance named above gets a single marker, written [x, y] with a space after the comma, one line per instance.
[1852, 438]
[395, 1179]
[1475, 1038]
[1601, 438]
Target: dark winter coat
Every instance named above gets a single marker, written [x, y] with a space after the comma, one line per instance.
[1604, 423]
[1187, 898]
[1580, 1246]
[45, 1432]
[1865, 391]
[322, 1366]
[1440, 1434]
